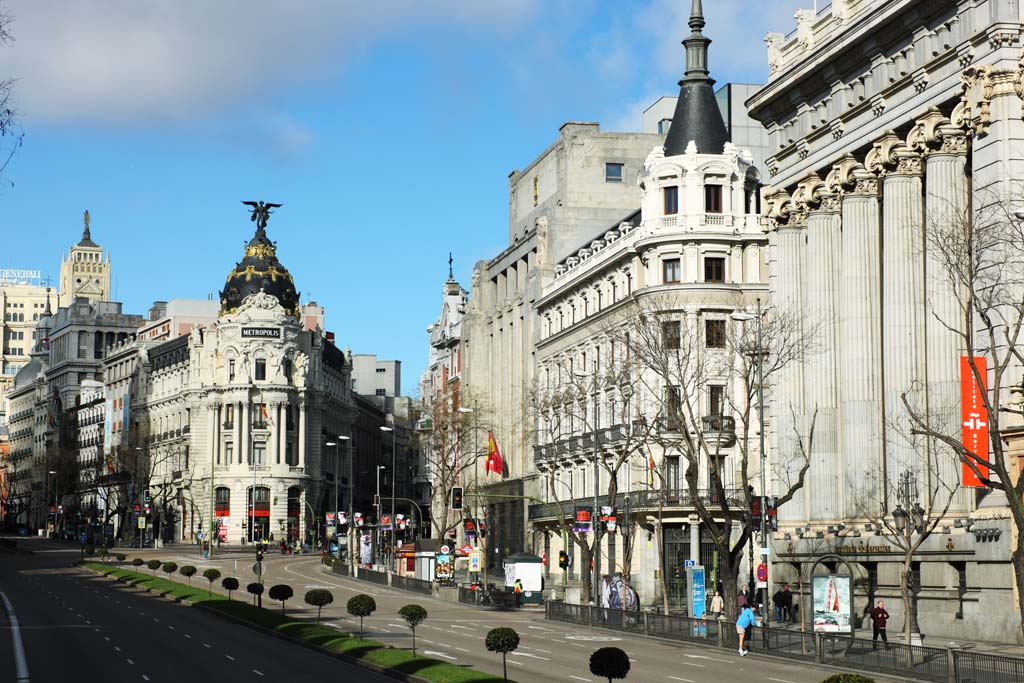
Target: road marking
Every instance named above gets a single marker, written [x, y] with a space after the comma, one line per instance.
[676, 678]
[145, 677]
[88, 622]
[187, 635]
[130, 662]
[258, 673]
[170, 627]
[117, 649]
[699, 666]
[230, 657]
[20, 663]
[580, 679]
[206, 645]
[527, 654]
[512, 661]
[438, 654]
[462, 649]
[780, 680]
[465, 627]
[397, 625]
[106, 638]
[547, 652]
[538, 628]
[156, 620]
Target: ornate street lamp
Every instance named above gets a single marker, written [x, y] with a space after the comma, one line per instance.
[899, 516]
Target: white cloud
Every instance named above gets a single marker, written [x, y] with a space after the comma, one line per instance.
[153, 61]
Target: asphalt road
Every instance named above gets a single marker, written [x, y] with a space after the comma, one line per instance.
[78, 626]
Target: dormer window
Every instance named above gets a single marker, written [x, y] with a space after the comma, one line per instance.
[671, 200]
[713, 199]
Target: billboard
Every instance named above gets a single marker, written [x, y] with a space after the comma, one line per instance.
[974, 417]
[833, 604]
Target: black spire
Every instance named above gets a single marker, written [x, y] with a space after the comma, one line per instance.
[86, 236]
[450, 276]
[697, 116]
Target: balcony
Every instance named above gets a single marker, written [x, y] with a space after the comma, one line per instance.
[675, 502]
[719, 430]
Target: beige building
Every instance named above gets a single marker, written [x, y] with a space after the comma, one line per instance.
[22, 299]
[84, 271]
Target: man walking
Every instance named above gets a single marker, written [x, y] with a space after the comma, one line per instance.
[879, 617]
[777, 604]
[742, 600]
[787, 603]
[517, 588]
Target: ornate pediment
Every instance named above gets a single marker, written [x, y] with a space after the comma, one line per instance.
[258, 306]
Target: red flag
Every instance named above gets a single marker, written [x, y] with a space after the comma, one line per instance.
[494, 462]
[651, 466]
[974, 417]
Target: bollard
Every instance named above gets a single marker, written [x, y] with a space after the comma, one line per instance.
[951, 665]
[647, 625]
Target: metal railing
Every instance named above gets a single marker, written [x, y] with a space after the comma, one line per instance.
[915, 662]
[644, 499]
[380, 578]
[408, 583]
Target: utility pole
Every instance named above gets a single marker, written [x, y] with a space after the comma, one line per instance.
[596, 514]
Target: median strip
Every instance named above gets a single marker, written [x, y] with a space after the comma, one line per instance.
[374, 654]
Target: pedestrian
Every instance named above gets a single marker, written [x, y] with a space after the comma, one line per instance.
[742, 600]
[879, 617]
[745, 621]
[777, 604]
[717, 606]
[517, 588]
[787, 603]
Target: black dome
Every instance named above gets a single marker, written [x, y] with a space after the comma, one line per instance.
[259, 270]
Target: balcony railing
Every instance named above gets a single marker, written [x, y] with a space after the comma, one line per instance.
[720, 429]
[646, 500]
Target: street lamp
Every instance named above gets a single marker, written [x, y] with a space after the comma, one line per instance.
[909, 517]
[394, 481]
[760, 352]
[377, 505]
[46, 505]
[335, 506]
[337, 470]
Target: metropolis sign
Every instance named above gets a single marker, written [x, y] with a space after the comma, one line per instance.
[262, 332]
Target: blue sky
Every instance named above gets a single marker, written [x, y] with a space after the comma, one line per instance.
[387, 129]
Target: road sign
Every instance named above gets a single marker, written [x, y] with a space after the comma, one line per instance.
[762, 576]
[444, 550]
[466, 549]
[142, 522]
[257, 568]
[689, 563]
[476, 560]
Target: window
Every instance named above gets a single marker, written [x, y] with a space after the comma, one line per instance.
[673, 407]
[713, 198]
[670, 270]
[229, 417]
[671, 195]
[714, 269]
[231, 370]
[286, 368]
[222, 502]
[261, 369]
[613, 173]
[716, 399]
[259, 416]
[229, 453]
[259, 453]
[83, 343]
[714, 334]
[670, 334]
[382, 392]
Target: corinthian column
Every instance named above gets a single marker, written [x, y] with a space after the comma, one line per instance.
[860, 343]
[902, 300]
[946, 207]
[821, 380]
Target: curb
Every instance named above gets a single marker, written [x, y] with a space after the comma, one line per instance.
[390, 673]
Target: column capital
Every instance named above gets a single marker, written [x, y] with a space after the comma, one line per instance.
[813, 196]
[933, 134]
[778, 208]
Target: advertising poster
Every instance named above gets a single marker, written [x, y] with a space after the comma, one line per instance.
[697, 595]
[583, 521]
[443, 567]
[476, 560]
[833, 609]
[365, 549]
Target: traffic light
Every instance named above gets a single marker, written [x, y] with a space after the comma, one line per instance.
[145, 496]
[259, 552]
[456, 498]
[563, 559]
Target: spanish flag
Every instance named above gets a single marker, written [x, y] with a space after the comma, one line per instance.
[494, 462]
[650, 469]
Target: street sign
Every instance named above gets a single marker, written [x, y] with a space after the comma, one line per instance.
[257, 568]
[695, 577]
[762, 576]
[466, 549]
[476, 560]
[142, 522]
[444, 550]
[689, 563]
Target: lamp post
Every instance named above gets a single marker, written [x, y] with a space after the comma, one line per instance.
[909, 517]
[759, 351]
[337, 470]
[335, 506]
[46, 503]
[476, 455]
[394, 481]
[376, 504]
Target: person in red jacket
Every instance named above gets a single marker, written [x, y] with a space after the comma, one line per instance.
[879, 617]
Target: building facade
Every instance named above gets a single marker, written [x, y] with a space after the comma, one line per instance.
[22, 300]
[84, 271]
[887, 119]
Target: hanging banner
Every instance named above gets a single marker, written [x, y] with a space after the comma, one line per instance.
[974, 417]
[583, 522]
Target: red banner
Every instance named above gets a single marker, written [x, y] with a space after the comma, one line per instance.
[974, 418]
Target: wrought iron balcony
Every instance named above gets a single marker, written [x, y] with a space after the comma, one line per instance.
[674, 501]
[719, 430]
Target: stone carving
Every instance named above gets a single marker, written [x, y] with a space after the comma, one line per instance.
[808, 194]
[777, 208]
[840, 179]
[262, 301]
[301, 367]
[774, 43]
[882, 157]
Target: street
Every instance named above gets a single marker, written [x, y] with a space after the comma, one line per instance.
[453, 632]
[74, 623]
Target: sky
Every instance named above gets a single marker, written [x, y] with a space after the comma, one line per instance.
[387, 129]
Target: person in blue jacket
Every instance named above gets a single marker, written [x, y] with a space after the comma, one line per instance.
[745, 621]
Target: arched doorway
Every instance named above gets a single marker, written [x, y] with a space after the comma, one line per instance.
[294, 512]
[258, 511]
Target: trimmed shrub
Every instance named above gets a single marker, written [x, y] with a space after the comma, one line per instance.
[256, 589]
[138, 562]
[503, 640]
[848, 678]
[414, 615]
[188, 571]
[154, 565]
[212, 575]
[169, 568]
[609, 662]
[120, 557]
[229, 584]
[361, 606]
[281, 592]
[318, 597]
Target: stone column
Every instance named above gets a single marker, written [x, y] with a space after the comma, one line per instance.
[946, 191]
[825, 486]
[695, 540]
[903, 342]
[211, 435]
[860, 383]
[280, 414]
[273, 454]
[244, 432]
[302, 435]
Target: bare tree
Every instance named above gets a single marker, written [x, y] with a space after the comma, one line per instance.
[701, 384]
[11, 134]
[978, 298]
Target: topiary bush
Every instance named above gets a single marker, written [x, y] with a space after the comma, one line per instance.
[212, 575]
[229, 584]
[318, 597]
[120, 557]
[848, 678]
[256, 589]
[169, 568]
[188, 571]
[154, 565]
[414, 615]
[281, 592]
[609, 662]
[361, 606]
[138, 562]
[503, 640]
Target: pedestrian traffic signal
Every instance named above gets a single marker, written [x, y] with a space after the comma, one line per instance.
[259, 552]
[457, 498]
[563, 559]
[145, 496]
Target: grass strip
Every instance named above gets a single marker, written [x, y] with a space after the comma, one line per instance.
[371, 651]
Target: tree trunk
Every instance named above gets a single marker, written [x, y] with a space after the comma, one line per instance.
[586, 573]
[1017, 559]
[905, 596]
[504, 666]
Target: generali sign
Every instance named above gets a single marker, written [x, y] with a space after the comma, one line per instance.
[974, 417]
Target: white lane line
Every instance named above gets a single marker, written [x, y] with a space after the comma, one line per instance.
[699, 666]
[580, 679]
[512, 661]
[677, 678]
[432, 653]
[187, 635]
[106, 638]
[527, 654]
[547, 652]
[145, 677]
[258, 673]
[780, 680]
[206, 645]
[462, 649]
[20, 662]
[130, 662]
[170, 627]
[230, 657]
[117, 649]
